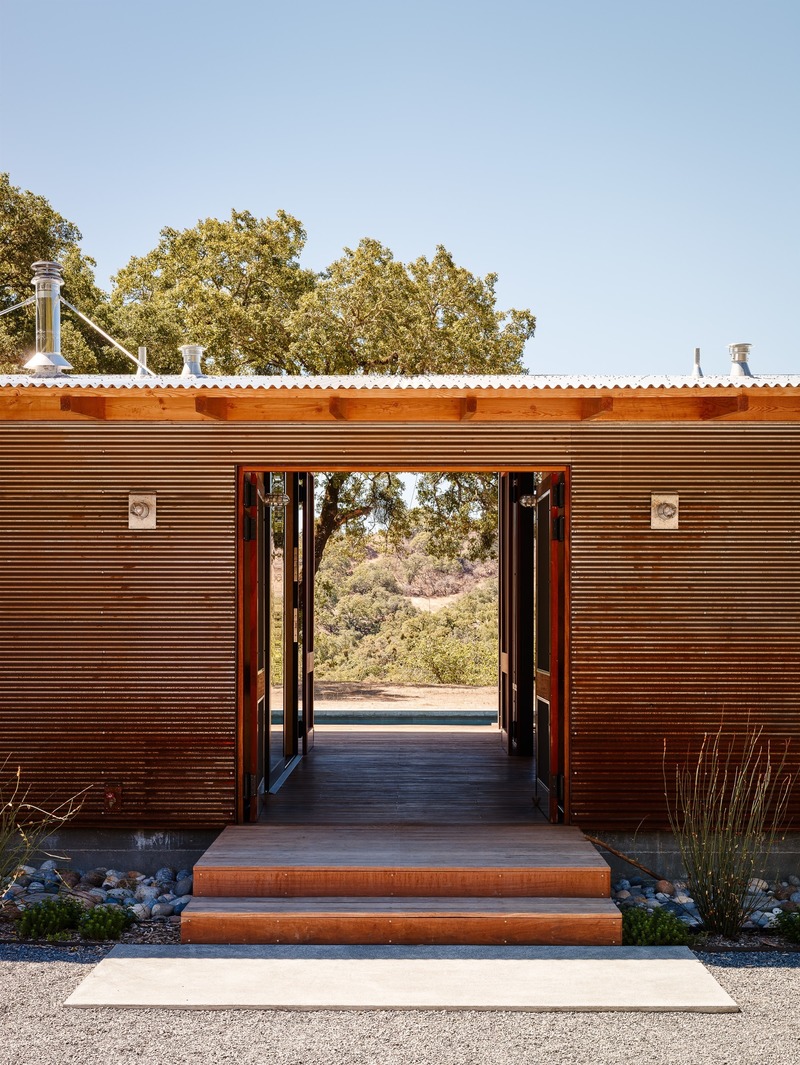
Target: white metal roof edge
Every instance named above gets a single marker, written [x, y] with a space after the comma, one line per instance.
[364, 383]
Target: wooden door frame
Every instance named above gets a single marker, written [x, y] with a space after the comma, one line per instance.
[378, 467]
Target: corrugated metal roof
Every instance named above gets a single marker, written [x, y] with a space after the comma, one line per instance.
[374, 382]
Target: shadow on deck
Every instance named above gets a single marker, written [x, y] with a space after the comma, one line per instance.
[387, 774]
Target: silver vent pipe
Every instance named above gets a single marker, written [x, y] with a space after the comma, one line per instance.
[696, 369]
[47, 360]
[141, 369]
[739, 353]
[192, 356]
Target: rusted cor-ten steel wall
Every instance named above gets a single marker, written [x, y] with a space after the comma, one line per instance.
[119, 647]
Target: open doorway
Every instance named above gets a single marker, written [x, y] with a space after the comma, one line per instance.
[278, 561]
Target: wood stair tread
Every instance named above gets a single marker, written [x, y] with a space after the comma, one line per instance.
[401, 845]
[433, 920]
[389, 905]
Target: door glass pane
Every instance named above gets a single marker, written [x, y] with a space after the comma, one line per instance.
[543, 583]
[298, 592]
[277, 567]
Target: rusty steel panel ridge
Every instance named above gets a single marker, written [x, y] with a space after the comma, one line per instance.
[118, 665]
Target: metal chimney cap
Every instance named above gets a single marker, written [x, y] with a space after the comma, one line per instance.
[739, 353]
[192, 356]
[47, 270]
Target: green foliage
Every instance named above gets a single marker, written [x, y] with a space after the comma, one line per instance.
[728, 802]
[236, 286]
[48, 918]
[229, 285]
[460, 512]
[353, 503]
[105, 922]
[370, 629]
[653, 928]
[30, 230]
[788, 925]
[372, 314]
[52, 917]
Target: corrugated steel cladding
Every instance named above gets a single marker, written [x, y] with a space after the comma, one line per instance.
[119, 647]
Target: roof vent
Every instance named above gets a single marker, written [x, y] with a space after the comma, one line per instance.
[739, 353]
[192, 355]
[48, 360]
[696, 370]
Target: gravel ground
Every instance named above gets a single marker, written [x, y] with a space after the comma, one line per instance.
[36, 1027]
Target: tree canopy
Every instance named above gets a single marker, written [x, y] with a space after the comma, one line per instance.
[31, 230]
[370, 313]
[230, 285]
[237, 287]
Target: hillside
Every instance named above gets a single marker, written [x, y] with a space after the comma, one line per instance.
[398, 614]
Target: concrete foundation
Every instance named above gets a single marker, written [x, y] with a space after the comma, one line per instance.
[659, 852]
[116, 848]
[147, 849]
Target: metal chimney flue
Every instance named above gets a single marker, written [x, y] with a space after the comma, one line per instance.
[192, 360]
[697, 370]
[47, 360]
[739, 353]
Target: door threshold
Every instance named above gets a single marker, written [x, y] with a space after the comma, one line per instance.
[286, 772]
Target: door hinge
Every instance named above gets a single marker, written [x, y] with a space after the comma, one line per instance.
[249, 528]
[249, 495]
[559, 529]
[557, 785]
[250, 786]
[559, 494]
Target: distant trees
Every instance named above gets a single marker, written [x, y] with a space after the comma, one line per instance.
[369, 627]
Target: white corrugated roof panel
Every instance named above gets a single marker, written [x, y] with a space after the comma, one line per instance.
[374, 382]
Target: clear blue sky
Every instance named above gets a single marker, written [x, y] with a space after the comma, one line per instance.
[629, 168]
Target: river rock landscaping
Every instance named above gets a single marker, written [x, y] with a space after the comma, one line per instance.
[154, 901]
[769, 899]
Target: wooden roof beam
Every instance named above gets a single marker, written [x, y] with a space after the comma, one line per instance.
[86, 406]
[338, 408]
[215, 407]
[718, 406]
[468, 408]
[595, 408]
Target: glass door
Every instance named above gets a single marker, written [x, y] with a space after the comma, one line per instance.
[517, 605]
[549, 644]
[277, 638]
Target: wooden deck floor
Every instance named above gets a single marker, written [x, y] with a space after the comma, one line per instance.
[385, 774]
[390, 834]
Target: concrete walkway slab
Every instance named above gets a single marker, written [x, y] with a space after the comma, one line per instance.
[534, 979]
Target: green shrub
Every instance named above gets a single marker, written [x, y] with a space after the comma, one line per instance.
[47, 919]
[653, 928]
[788, 924]
[52, 917]
[105, 922]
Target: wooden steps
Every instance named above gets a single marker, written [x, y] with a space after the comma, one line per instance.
[402, 883]
[447, 920]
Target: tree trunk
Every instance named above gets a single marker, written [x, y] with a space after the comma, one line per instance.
[331, 517]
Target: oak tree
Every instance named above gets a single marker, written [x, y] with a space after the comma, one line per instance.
[31, 230]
